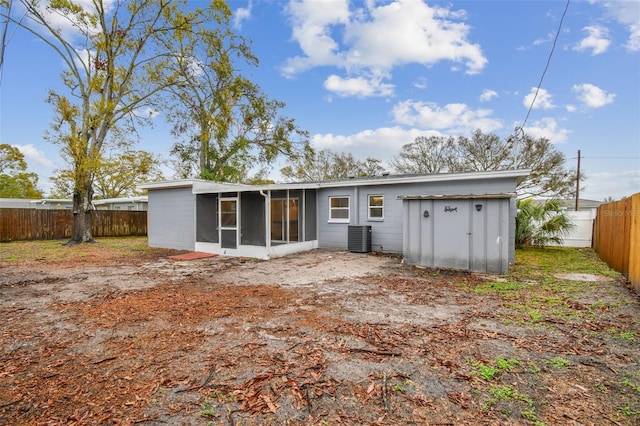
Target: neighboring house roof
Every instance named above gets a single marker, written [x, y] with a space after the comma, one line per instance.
[28, 203]
[584, 204]
[570, 203]
[204, 186]
[140, 199]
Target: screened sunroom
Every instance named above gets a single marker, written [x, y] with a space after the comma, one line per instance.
[254, 223]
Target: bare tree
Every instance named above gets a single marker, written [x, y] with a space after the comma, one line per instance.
[115, 66]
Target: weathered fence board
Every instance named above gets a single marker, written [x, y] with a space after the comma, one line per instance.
[616, 237]
[32, 224]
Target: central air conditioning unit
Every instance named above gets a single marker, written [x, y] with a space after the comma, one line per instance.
[360, 239]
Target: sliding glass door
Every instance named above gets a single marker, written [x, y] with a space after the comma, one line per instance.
[284, 220]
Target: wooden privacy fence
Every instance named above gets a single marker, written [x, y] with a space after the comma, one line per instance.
[616, 237]
[32, 224]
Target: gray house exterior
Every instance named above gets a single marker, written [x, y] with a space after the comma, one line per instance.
[274, 220]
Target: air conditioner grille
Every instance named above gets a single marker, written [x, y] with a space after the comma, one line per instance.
[359, 239]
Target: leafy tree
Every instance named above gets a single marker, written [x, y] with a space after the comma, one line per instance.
[227, 124]
[481, 153]
[425, 155]
[327, 165]
[117, 176]
[115, 66]
[486, 152]
[541, 222]
[15, 181]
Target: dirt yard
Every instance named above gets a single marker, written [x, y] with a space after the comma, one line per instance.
[118, 336]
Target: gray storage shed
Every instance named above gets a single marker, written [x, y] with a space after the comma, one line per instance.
[468, 232]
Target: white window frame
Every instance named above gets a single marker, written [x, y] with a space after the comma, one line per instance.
[348, 209]
[369, 207]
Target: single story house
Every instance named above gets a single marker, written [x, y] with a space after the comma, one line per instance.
[125, 203]
[453, 220]
[41, 204]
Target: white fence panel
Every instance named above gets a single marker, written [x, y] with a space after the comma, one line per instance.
[582, 233]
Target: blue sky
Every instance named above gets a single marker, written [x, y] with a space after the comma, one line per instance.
[367, 77]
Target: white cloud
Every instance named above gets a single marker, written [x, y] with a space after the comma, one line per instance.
[454, 118]
[597, 40]
[627, 13]
[33, 155]
[547, 128]
[373, 39]
[382, 143]
[571, 108]
[421, 83]
[359, 86]
[620, 184]
[242, 14]
[68, 25]
[550, 36]
[542, 100]
[487, 95]
[593, 96]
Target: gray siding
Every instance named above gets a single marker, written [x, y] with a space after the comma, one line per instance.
[171, 218]
[386, 235]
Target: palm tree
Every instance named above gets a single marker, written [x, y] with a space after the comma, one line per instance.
[541, 223]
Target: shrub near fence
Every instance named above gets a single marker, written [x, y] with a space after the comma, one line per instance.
[616, 237]
[32, 224]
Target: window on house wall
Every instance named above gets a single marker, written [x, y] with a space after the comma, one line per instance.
[339, 209]
[376, 207]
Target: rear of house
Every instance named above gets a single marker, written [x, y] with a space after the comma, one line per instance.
[433, 220]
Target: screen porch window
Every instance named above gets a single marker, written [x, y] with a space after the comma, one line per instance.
[376, 207]
[228, 213]
[284, 220]
[339, 209]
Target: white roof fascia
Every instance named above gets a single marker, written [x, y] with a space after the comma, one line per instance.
[179, 183]
[441, 177]
[200, 186]
[207, 186]
[51, 200]
[121, 200]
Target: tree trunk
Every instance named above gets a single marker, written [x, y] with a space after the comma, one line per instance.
[82, 206]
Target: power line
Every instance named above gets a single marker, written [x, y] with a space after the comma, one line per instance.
[609, 158]
[553, 48]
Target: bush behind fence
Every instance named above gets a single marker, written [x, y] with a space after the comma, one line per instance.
[32, 224]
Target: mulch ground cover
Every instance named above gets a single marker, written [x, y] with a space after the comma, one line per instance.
[448, 348]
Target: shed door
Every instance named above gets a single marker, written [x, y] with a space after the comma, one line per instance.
[451, 234]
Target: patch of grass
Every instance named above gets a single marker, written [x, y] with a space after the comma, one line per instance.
[55, 251]
[507, 364]
[628, 411]
[559, 362]
[601, 388]
[629, 336]
[207, 410]
[628, 383]
[542, 262]
[398, 388]
[505, 289]
[489, 371]
[509, 393]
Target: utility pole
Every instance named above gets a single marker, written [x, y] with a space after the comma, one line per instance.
[578, 184]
